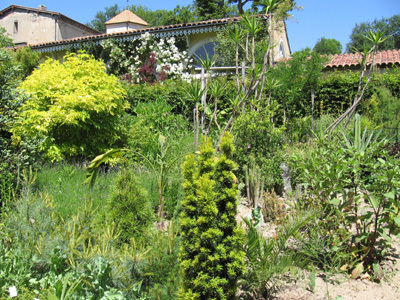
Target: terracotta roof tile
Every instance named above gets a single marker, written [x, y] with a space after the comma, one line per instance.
[127, 16]
[384, 57]
[215, 22]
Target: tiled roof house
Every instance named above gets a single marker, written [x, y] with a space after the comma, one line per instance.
[28, 26]
[125, 21]
[199, 35]
[351, 61]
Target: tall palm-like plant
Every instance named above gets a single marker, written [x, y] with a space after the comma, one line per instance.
[376, 39]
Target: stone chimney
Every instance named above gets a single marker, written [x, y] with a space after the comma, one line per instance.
[42, 7]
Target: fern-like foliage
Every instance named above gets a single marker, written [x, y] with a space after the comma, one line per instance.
[270, 258]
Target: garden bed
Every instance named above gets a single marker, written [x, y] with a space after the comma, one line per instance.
[338, 287]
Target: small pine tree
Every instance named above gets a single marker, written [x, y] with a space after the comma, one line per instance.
[211, 255]
[129, 207]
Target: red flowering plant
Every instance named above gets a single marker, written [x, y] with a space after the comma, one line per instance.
[148, 72]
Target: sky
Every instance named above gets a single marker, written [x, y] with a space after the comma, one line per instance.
[333, 19]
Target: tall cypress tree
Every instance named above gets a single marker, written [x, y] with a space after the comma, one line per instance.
[211, 253]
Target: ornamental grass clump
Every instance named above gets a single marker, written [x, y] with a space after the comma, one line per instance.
[211, 253]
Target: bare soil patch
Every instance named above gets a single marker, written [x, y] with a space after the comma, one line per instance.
[340, 286]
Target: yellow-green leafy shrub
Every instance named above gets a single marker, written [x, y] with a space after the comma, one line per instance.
[75, 107]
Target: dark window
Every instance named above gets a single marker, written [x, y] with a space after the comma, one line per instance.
[201, 52]
[15, 26]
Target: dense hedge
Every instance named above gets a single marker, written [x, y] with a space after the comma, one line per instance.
[336, 91]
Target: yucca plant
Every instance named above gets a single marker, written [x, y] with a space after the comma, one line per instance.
[360, 142]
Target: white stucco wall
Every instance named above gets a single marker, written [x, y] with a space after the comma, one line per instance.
[121, 27]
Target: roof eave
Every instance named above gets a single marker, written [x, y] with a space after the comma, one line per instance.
[168, 30]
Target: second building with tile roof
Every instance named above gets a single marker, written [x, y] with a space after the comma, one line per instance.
[28, 26]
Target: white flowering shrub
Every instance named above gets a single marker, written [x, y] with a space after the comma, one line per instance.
[146, 59]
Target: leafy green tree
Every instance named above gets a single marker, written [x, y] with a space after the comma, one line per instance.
[389, 26]
[102, 17]
[8, 82]
[12, 158]
[257, 5]
[75, 107]
[328, 46]
[158, 17]
[210, 9]
[297, 78]
[211, 254]
[10, 100]
[5, 41]
[240, 4]
[27, 59]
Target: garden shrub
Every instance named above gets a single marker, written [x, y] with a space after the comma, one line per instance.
[159, 117]
[356, 184]
[172, 91]
[385, 112]
[273, 207]
[256, 135]
[211, 255]
[295, 78]
[12, 159]
[161, 273]
[334, 90]
[268, 260]
[391, 80]
[298, 130]
[153, 119]
[27, 59]
[69, 111]
[129, 207]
